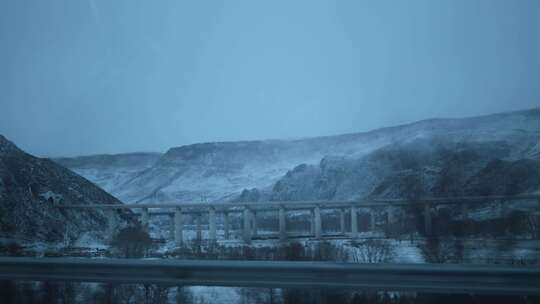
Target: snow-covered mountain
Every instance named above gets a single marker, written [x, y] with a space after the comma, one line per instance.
[110, 171]
[29, 188]
[343, 166]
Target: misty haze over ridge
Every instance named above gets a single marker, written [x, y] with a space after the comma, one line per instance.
[296, 138]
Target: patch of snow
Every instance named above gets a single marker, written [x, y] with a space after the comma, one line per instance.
[217, 295]
[87, 240]
[407, 252]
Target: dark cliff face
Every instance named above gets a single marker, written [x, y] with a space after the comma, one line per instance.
[29, 189]
[424, 168]
[505, 178]
[218, 150]
[461, 170]
[218, 157]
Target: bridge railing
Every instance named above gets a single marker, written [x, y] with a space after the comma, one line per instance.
[248, 211]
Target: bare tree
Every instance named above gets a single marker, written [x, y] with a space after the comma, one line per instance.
[131, 243]
[155, 294]
[371, 251]
[436, 250]
[533, 225]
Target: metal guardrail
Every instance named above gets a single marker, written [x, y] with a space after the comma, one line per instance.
[433, 278]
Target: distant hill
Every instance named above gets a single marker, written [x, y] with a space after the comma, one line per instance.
[110, 171]
[29, 188]
[448, 156]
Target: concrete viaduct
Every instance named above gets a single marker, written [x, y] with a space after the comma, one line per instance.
[248, 212]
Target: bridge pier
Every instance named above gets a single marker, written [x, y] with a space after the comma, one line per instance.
[178, 227]
[282, 228]
[254, 223]
[427, 219]
[212, 224]
[247, 225]
[144, 219]
[354, 222]
[318, 223]
[465, 218]
[199, 227]
[372, 213]
[171, 227]
[342, 221]
[387, 222]
[226, 224]
[311, 222]
[112, 224]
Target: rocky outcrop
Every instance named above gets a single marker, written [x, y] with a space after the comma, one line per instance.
[424, 168]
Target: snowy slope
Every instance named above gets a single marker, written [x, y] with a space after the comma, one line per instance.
[110, 171]
[221, 171]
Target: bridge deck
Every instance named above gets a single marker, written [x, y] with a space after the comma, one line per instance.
[297, 205]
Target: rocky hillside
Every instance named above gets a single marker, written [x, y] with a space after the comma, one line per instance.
[29, 189]
[437, 156]
[423, 168]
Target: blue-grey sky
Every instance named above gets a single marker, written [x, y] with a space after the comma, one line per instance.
[102, 76]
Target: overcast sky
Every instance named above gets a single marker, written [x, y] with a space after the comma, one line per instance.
[101, 76]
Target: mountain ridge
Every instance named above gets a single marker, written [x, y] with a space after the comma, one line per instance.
[531, 111]
[223, 170]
